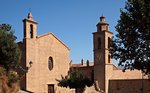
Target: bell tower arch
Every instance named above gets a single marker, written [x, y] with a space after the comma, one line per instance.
[103, 64]
[30, 27]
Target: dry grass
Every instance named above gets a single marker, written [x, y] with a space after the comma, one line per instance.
[6, 85]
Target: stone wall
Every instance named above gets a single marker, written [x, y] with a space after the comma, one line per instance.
[87, 71]
[129, 86]
[38, 51]
[128, 74]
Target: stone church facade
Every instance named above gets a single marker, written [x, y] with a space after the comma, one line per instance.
[45, 58]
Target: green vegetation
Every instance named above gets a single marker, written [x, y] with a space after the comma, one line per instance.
[9, 51]
[12, 78]
[131, 45]
[10, 55]
[75, 80]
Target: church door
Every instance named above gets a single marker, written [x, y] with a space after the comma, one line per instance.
[50, 88]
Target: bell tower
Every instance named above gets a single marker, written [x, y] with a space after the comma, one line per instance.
[103, 63]
[30, 27]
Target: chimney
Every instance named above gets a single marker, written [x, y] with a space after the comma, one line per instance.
[87, 62]
[82, 61]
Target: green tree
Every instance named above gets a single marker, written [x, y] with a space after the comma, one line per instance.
[10, 53]
[75, 80]
[131, 45]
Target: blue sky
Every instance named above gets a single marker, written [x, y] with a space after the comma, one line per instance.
[72, 21]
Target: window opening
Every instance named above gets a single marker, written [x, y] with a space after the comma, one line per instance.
[50, 63]
[99, 43]
[100, 28]
[109, 57]
[109, 42]
[31, 31]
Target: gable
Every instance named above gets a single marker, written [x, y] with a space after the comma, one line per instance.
[50, 33]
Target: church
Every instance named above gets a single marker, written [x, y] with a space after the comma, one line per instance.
[45, 58]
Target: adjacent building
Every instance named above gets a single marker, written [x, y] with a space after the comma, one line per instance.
[107, 77]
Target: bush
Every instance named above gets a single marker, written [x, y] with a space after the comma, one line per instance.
[74, 80]
[12, 78]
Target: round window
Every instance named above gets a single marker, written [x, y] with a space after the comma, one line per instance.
[50, 63]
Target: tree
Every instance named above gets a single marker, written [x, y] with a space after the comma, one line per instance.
[74, 80]
[131, 45]
[10, 53]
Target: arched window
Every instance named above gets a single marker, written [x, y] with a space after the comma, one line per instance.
[100, 28]
[99, 43]
[31, 31]
[50, 63]
[107, 28]
[109, 57]
[109, 39]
